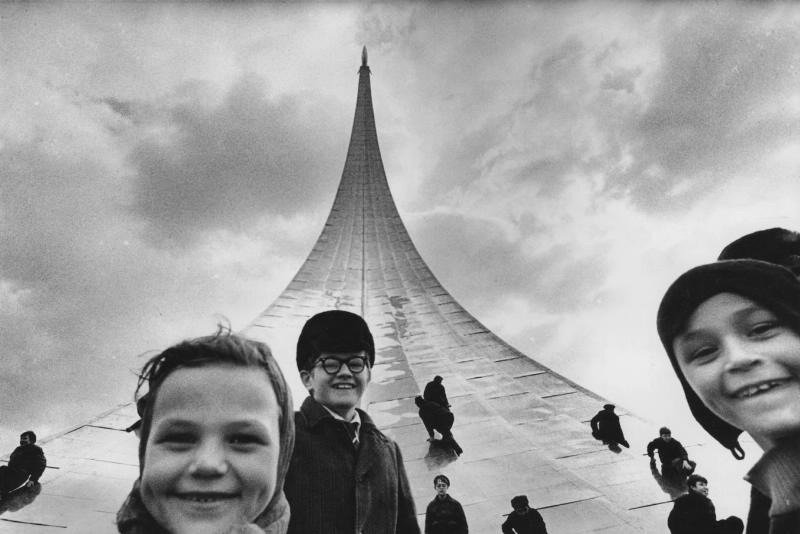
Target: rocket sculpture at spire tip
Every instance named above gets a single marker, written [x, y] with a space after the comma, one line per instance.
[364, 56]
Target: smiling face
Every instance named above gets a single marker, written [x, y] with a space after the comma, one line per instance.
[211, 458]
[744, 364]
[700, 487]
[340, 392]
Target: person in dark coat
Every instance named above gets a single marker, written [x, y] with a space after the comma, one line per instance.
[524, 519]
[444, 514]
[345, 475]
[436, 417]
[435, 392]
[694, 513]
[25, 465]
[675, 462]
[605, 427]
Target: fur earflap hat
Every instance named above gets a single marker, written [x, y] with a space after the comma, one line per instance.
[769, 285]
[333, 331]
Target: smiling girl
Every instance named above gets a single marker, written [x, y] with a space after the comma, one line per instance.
[732, 332]
[216, 441]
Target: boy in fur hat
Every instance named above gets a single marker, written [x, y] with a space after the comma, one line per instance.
[346, 476]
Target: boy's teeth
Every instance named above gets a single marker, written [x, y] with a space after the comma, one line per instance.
[749, 392]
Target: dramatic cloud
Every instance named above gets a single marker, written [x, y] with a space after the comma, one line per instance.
[226, 165]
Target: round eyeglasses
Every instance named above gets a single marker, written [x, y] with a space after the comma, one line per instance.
[332, 365]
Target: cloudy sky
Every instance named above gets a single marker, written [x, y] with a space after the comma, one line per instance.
[558, 165]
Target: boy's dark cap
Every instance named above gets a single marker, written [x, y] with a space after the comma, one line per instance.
[333, 331]
[774, 245]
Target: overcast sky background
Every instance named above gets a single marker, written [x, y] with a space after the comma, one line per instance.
[557, 165]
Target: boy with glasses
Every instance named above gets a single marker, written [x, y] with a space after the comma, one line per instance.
[345, 476]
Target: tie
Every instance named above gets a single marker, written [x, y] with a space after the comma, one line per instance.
[352, 431]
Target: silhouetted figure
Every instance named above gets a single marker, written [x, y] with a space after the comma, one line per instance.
[436, 417]
[694, 512]
[675, 462]
[444, 514]
[605, 427]
[25, 465]
[524, 519]
[434, 391]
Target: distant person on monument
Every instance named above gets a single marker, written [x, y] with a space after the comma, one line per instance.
[524, 519]
[694, 513]
[436, 417]
[444, 514]
[25, 465]
[217, 435]
[435, 392]
[675, 462]
[606, 428]
[346, 476]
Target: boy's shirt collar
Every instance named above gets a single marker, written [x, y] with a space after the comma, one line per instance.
[356, 418]
[315, 412]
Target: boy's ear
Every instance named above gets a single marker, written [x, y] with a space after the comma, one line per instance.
[305, 376]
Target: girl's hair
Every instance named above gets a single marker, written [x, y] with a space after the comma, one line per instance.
[222, 348]
[771, 286]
